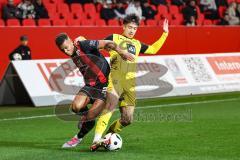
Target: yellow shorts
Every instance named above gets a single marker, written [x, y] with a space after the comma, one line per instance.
[125, 88]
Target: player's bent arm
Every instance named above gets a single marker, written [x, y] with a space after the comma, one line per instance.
[155, 47]
[111, 45]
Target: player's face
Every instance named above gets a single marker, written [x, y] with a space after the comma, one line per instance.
[130, 29]
[67, 47]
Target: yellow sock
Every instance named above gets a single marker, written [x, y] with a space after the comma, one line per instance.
[116, 127]
[102, 124]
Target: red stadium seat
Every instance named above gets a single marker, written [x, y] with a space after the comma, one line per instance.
[73, 22]
[87, 22]
[162, 12]
[51, 7]
[113, 22]
[29, 22]
[63, 8]
[151, 22]
[13, 22]
[200, 19]
[53, 15]
[44, 22]
[100, 22]
[66, 15]
[59, 22]
[207, 22]
[221, 11]
[175, 22]
[2, 24]
[173, 9]
[89, 9]
[76, 8]
[178, 17]
[142, 23]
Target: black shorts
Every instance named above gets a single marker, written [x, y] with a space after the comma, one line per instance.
[95, 92]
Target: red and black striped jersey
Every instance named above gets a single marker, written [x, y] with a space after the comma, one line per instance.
[91, 63]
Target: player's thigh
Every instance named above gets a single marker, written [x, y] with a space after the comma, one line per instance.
[114, 91]
[80, 101]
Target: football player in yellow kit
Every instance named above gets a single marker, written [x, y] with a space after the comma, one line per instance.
[122, 82]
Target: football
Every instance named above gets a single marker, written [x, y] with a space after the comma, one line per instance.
[115, 141]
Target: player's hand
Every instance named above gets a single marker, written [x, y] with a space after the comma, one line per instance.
[127, 56]
[80, 38]
[165, 26]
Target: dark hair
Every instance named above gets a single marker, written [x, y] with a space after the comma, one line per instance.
[131, 18]
[60, 38]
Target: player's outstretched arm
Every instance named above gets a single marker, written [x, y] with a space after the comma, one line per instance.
[155, 47]
[111, 45]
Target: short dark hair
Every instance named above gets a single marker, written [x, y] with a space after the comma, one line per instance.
[131, 18]
[60, 38]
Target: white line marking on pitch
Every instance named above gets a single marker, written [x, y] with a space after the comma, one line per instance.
[147, 107]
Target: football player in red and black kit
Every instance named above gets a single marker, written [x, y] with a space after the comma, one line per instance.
[95, 70]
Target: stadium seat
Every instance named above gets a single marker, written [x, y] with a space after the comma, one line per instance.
[53, 15]
[59, 22]
[175, 22]
[44, 22]
[173, 9]
[51, 8]
[73, 22]
[100, 22]
[200, 19]
[80, 16]
[76, 8]
[221, 11]
[63, 8]
[87, 22]
[207, 22]
[66, 15]
[29, 22]
[2, 24]
[113, 22]
[13, 22]
[151, 22]
[162, 12]
[178, 17]
[89, 9]
[142, 23]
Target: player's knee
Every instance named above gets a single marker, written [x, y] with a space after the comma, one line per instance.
[126, 121]
[76, 107]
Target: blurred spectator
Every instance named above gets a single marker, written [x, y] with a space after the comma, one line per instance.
[41, 11]
[22, 52]
[190, 11]
[119, 10]
[134, 8]
[107, 12]
[191, 21]
[147, 11]
[232, 13]
[78, 1]
[221, 3]
[209, 8]
[9, 10]
[178, 2]
[26, 10]
[158, 2]
[224, 20]
[238, 10]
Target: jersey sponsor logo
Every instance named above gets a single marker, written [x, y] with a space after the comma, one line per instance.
[131, 49]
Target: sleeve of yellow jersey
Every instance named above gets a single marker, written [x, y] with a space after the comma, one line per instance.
[154, 48]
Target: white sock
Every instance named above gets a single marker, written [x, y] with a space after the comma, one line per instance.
[97, 137]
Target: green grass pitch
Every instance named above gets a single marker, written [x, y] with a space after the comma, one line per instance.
[205, 127]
